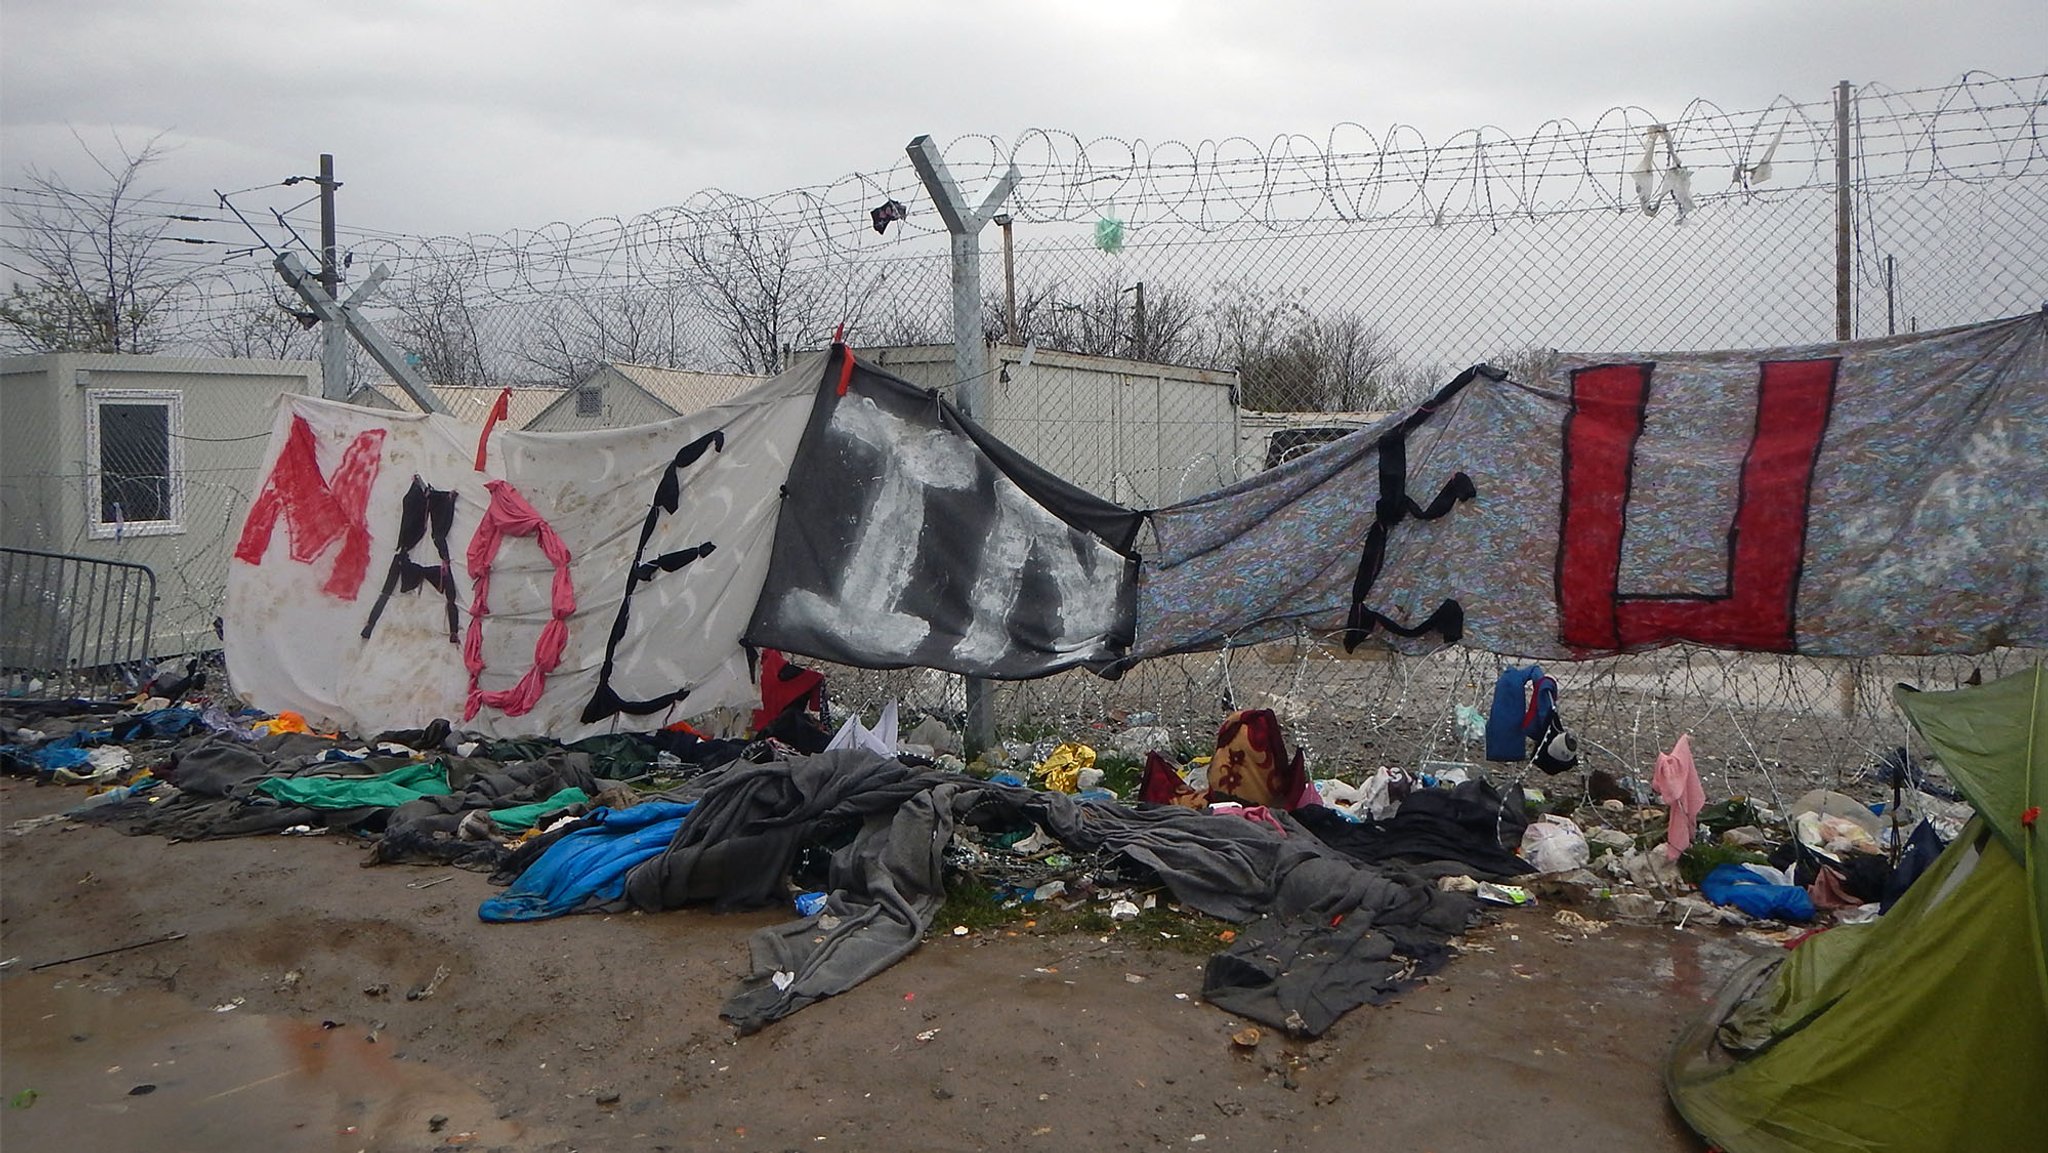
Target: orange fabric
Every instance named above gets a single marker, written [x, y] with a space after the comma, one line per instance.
[286, 722]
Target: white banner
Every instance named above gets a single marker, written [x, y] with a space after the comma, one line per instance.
[579, 583]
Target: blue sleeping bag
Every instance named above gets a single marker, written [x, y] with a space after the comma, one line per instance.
[1737, 886]
[588, 866]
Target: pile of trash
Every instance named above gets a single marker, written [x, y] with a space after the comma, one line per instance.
[1341, 892]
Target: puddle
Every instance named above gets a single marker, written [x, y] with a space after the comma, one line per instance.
[145, 1070]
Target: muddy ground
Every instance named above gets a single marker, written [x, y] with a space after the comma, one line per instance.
[282, 1021]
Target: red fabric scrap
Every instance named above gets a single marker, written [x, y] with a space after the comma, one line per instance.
[499, 411]
[509, 514]
[785, 686]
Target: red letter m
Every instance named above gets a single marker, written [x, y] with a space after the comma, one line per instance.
[1766, 535]
[317, 513]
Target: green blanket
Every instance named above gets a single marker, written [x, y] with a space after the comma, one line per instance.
[406, 783]
[520, 818]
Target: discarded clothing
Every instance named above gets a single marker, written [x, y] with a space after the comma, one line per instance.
[162, 724]
[786, 688]
[887, 882]
[1736, 886]
[519, 818]
[1923, 848]
[588, 866]
[1465, 825]
[1301, 975]
[389, 790]
[429, 830]
[1679, 784]
[1251, 762]
[1506, 738]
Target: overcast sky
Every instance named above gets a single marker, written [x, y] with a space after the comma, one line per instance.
[451, 117]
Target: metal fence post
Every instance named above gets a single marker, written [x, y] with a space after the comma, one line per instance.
[1844, 328]
[970, 351]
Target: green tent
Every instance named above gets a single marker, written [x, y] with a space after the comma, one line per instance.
[1926, 1029]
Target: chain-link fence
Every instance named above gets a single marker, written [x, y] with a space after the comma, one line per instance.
[1334, 276]
[144, 461]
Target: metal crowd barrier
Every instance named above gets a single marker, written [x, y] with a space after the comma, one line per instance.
[72, 625]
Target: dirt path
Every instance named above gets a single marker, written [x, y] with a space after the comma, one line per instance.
[601, 1032]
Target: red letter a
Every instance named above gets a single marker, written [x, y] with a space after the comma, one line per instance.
[316, 512]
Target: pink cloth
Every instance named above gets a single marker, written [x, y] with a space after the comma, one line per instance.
[1679, 784]
[1257, 814]
[509, 514]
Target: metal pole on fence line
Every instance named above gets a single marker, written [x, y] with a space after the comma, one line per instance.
[1891, 304]
[1009, 280]
[1843, 325]
[333, 332]
[970, 353]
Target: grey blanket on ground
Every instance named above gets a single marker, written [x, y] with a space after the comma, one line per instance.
[888, 881]
[427, 831]
[213, 794]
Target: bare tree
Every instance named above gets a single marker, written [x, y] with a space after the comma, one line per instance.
[265, 328]
[577, 333]
[1101, 318]
[1291, 359]
[760, 298]
[93, 270]
[437, 328]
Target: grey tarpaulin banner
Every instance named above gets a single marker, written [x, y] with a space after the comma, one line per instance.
[910, 537]
[1871, 497]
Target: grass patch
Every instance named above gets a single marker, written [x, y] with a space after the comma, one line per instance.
[1120, 773]
[1699, 860]
[975, 905]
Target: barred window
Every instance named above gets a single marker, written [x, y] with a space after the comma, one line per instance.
[134, 462]
[589, 402]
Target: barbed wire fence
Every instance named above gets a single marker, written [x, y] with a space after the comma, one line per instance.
[1338, 274]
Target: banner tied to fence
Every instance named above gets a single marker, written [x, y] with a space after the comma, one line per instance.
[1871, 498]
[1879, 497]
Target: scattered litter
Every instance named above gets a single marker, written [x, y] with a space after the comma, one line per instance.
[175, 935]
[960, 930]
[230, 1006]
[1123, 910]
[1247, 1037]
[429, 884]
[783, 979]
[427, 990]
[928, 1034]
[1582, 924]
[1133, 979]
[1504, 894]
